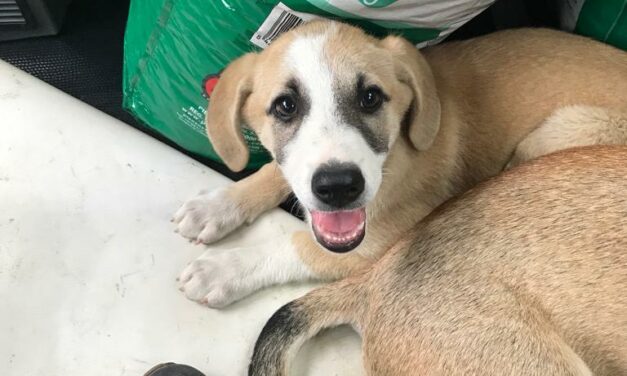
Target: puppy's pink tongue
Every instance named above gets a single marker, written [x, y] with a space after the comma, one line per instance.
[338, 222]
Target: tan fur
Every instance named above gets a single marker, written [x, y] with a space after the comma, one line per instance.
[538, 255]
[224, 115]
[414, 71]
[325, 267]
[492, 91]
[270, 190]
[525, 274]
[573, 126]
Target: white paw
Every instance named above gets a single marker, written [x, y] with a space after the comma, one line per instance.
[221, 276]
[216, 278]
[208, 217]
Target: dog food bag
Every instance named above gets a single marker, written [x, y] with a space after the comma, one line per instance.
[174, 50]
[604, 20]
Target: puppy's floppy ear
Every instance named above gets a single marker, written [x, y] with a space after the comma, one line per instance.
[413, 70]
[224, 118]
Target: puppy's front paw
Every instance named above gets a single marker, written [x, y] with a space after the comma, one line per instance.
[208, 217]
[220, 276]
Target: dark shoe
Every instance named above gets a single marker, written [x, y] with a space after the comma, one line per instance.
[173, 369]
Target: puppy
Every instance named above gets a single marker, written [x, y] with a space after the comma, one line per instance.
[371, 135]
[523, 275]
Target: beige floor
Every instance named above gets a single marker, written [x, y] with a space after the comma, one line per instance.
[88, 259]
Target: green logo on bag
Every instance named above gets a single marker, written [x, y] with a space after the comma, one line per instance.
[377, 3]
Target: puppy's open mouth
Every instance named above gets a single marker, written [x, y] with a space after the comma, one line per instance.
[339, 231]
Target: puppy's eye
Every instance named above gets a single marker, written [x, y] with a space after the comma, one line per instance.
[284, 107]
[371, 99]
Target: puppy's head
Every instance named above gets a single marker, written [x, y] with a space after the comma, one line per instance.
[328, 102]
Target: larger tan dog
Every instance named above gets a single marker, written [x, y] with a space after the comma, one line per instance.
[523, 275]
[371, 135]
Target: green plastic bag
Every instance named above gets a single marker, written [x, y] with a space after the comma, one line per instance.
[604, 20]
[174, 50]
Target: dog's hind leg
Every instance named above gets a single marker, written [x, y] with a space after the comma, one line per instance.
[460, 327]
[210, 216]
[572, 126]
[294, 323]
[525, 349]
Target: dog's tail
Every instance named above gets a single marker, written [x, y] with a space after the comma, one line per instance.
[296, 322]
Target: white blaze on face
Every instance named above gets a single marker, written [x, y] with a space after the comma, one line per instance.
[323, 136]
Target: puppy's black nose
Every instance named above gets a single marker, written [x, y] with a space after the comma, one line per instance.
[337, 184]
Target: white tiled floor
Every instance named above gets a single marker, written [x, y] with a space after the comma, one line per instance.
[88, 258]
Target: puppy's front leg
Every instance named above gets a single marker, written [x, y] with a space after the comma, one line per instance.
[210, 216]
[222, 276]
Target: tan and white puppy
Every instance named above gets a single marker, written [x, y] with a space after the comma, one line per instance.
[371, 135]
[523, 275]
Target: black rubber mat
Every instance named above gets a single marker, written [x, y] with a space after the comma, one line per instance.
[85, 61]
